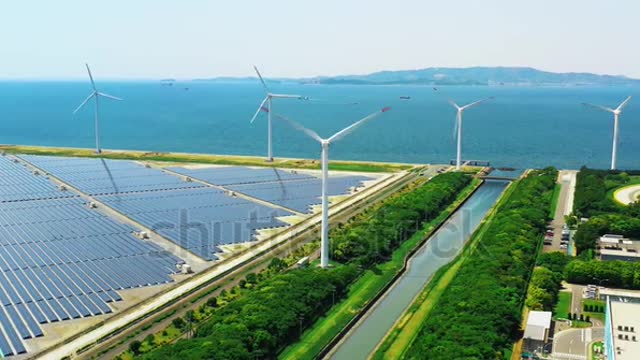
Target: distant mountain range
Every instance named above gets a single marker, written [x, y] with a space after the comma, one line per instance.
[457, 76]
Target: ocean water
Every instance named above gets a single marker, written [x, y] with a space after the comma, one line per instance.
[522, 127]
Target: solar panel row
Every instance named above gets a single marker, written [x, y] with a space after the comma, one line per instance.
[239, 175]
[60, 260]
[104, 176]
[300, 195]
[18, 184]
[198, 220]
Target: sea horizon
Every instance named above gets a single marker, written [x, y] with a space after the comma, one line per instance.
[536, 126]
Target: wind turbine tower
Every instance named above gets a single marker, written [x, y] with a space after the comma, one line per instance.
[458, 127]
[268, 101]
[616, 119]
[95, 94]
[325, 144]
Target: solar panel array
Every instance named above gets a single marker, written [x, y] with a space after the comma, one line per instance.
[17, 183]
[105, 176]
[60, 260]
[289, 189]
[235, 175]
[300, 195]
[193, 216]
[198, 220]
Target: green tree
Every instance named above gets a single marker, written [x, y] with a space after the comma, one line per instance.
[212, 302]
[252, 278]
[134, 347]
[178, 323]
[150, 339]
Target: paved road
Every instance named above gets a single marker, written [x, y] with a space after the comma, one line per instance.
[576, 299]
[567, 181]
[574, 343]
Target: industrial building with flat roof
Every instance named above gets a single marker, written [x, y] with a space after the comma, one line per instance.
[536, 334]
[621, 330]
[616, 247]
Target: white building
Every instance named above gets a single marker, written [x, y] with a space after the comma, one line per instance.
[622, 330]
[536, 334]
[617, 247]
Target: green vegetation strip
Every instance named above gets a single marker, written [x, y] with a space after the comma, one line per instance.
[367, 288]
[563, 306]
[207, 159]
[554, 201]
[478, 315]
[617, 274]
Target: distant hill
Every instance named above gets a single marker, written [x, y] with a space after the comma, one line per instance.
[460, 76]
[478, 76]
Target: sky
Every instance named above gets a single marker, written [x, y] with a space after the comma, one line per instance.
[154, 39]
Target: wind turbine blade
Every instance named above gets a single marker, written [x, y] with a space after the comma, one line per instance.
[93, 84]
[346, 131]
[261, 79]
[109, 96]
[453, 103]
[259, 109]
[624, 103]
[310, 133]
[475, 103]
[84, 102]
[599, 107]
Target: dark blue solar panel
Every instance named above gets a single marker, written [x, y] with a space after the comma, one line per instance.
[61, 260]
[197, 219]
[104, 176]
[234, 175]
[17, 183]
[300, 195]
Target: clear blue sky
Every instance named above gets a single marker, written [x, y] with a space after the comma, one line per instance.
[196, 38]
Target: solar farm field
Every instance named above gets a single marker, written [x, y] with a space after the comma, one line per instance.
[291, 190]
[68, 248]
[60, 260]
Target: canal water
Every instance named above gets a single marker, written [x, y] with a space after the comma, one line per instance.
[442, 247]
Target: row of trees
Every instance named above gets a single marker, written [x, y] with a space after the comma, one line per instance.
[576, 317]
[372, 239]
[479, 313]
[274, 312]
[546, 281]
[618, 274]
[255, 325]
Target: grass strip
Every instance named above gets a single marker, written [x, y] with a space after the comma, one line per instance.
[206, 159]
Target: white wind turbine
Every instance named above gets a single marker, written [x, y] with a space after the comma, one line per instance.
[616, 118]
[268, 100]
[324, 247]
[458, 126]
[95, 94]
